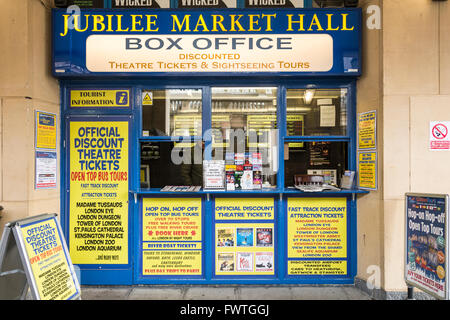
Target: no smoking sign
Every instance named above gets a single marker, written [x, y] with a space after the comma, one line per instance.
[439, 135]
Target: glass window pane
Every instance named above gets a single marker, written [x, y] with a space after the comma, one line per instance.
[244, 131]
[325, 158]
[174, 112]
[169, 163]
[316, 112]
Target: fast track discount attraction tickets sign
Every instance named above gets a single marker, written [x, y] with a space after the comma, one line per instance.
[317, 236]
[98, 232]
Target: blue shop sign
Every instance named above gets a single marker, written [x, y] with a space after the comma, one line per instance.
[300, 42]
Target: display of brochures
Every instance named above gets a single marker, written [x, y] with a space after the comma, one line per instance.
[347, 179]
[181, 188]
[316, 188]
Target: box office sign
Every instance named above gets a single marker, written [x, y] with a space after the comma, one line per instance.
[426, 255]
[140, 42]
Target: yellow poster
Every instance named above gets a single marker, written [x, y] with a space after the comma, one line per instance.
[45, 130]
[244, 209]
[172, 236]
[98, 232]
[367, 124]
[367, 170]
[317, 267]
[245, 249]
[99, 98]
[48, 261]
[317, 227]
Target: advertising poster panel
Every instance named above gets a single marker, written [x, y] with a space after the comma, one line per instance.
[45, 130]
[367, 170]
[46, 170]
[245, 248]
[427, 243]
[46, 256]
[172, 236]
[98, 225]
[317, 236]
[244, 236]
[367, 130]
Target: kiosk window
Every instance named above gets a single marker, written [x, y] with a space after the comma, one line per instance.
[316, 112]
[327, 158]
[171, 163]
[174, 112]
[244, 132]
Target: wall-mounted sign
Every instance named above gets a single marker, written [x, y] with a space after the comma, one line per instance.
[274, 3]
[140, 3]
[297, 41]
[99, 184]
[46, 169]
[45, 130]
[89, 98]
[210, 53]
[36, 247]
[426, 256]
[367, 130]
[439, 135]
[367, 170]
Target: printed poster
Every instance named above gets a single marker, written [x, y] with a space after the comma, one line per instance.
[244, 261]
[367, 130]
[46, 169]
[98, 230]
[244, 237]
[225, 261]
[172, 236]
[317, 230]
[225, 237]
[426, 241]
[317, 227]
[245, 249]
[48, 260]
[367, 170]
[264, 262]
[45, 130]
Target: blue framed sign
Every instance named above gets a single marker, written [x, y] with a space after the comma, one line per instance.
[300, 42]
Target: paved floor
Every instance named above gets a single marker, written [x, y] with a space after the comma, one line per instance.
[223, 293]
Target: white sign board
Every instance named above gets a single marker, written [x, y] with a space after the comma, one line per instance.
[210, 53]
[439, 135]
